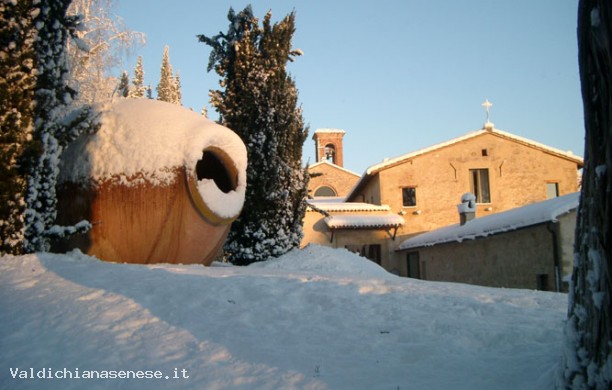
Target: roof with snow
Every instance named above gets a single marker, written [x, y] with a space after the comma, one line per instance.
[332, 165]
[533, 214]
[364, 221]
[354, 215]
[388, 163]
[327, 199]
[333, 205]
[500, 133]
[330, 131]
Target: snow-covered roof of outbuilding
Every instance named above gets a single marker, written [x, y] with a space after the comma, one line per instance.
[331, 205]
[533, 214]
[363, 221]
[326, 199]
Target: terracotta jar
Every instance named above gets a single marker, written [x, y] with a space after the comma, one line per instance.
[175, 208]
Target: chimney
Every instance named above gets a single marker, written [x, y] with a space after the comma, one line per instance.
[467, 208]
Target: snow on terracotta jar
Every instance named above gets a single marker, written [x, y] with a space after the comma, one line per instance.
[158, 182]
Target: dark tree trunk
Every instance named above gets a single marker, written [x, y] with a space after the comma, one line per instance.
[587, 356]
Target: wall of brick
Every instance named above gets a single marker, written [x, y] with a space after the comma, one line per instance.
[511, 260]
[322, 139]
[517, 176]
[327, 174]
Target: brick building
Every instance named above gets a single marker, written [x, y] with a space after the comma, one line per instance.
[526, 247]
[328, 177]
[503, 170]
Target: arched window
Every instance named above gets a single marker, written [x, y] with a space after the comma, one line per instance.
[330, 153]
[325, 191]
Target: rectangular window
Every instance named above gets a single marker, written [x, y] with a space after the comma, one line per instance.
[552, 190]
[479, 185]
[412, 260]
[409, 196]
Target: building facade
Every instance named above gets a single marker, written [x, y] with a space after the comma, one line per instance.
[502, 170]
[330, 180]
[526, 247]
[359, 227]
[328, 177]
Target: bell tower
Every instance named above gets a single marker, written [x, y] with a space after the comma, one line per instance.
[328, 145]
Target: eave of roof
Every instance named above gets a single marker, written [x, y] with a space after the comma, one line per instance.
[364, 221]
[332, 165]
[335, 206]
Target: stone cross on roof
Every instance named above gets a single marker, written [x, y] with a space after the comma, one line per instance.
[487, 105]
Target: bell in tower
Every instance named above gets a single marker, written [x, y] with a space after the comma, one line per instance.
[328, 144]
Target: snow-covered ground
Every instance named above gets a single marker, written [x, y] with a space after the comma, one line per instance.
[316, 318]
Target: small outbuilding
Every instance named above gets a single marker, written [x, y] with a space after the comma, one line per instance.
[359, 227]
[526, 247]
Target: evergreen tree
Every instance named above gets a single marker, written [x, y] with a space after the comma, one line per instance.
[55, 125]
[178, 95]
[588, 331]
[17, 80]
[138, 90]
[260, 103]
[166, 89]
[124, 85]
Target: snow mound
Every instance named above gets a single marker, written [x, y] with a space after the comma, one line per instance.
[324, 260]
[81, 323]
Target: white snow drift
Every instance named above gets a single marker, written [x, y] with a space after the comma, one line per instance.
[313, 319]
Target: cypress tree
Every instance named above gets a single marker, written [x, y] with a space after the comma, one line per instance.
[260, 103]
[166, 89]
[138, 90]
[38, 121]
[178, 95]
[124, 85]
[55, 124]
[17, 80]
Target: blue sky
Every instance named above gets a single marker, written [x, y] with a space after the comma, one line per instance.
[396, 75]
